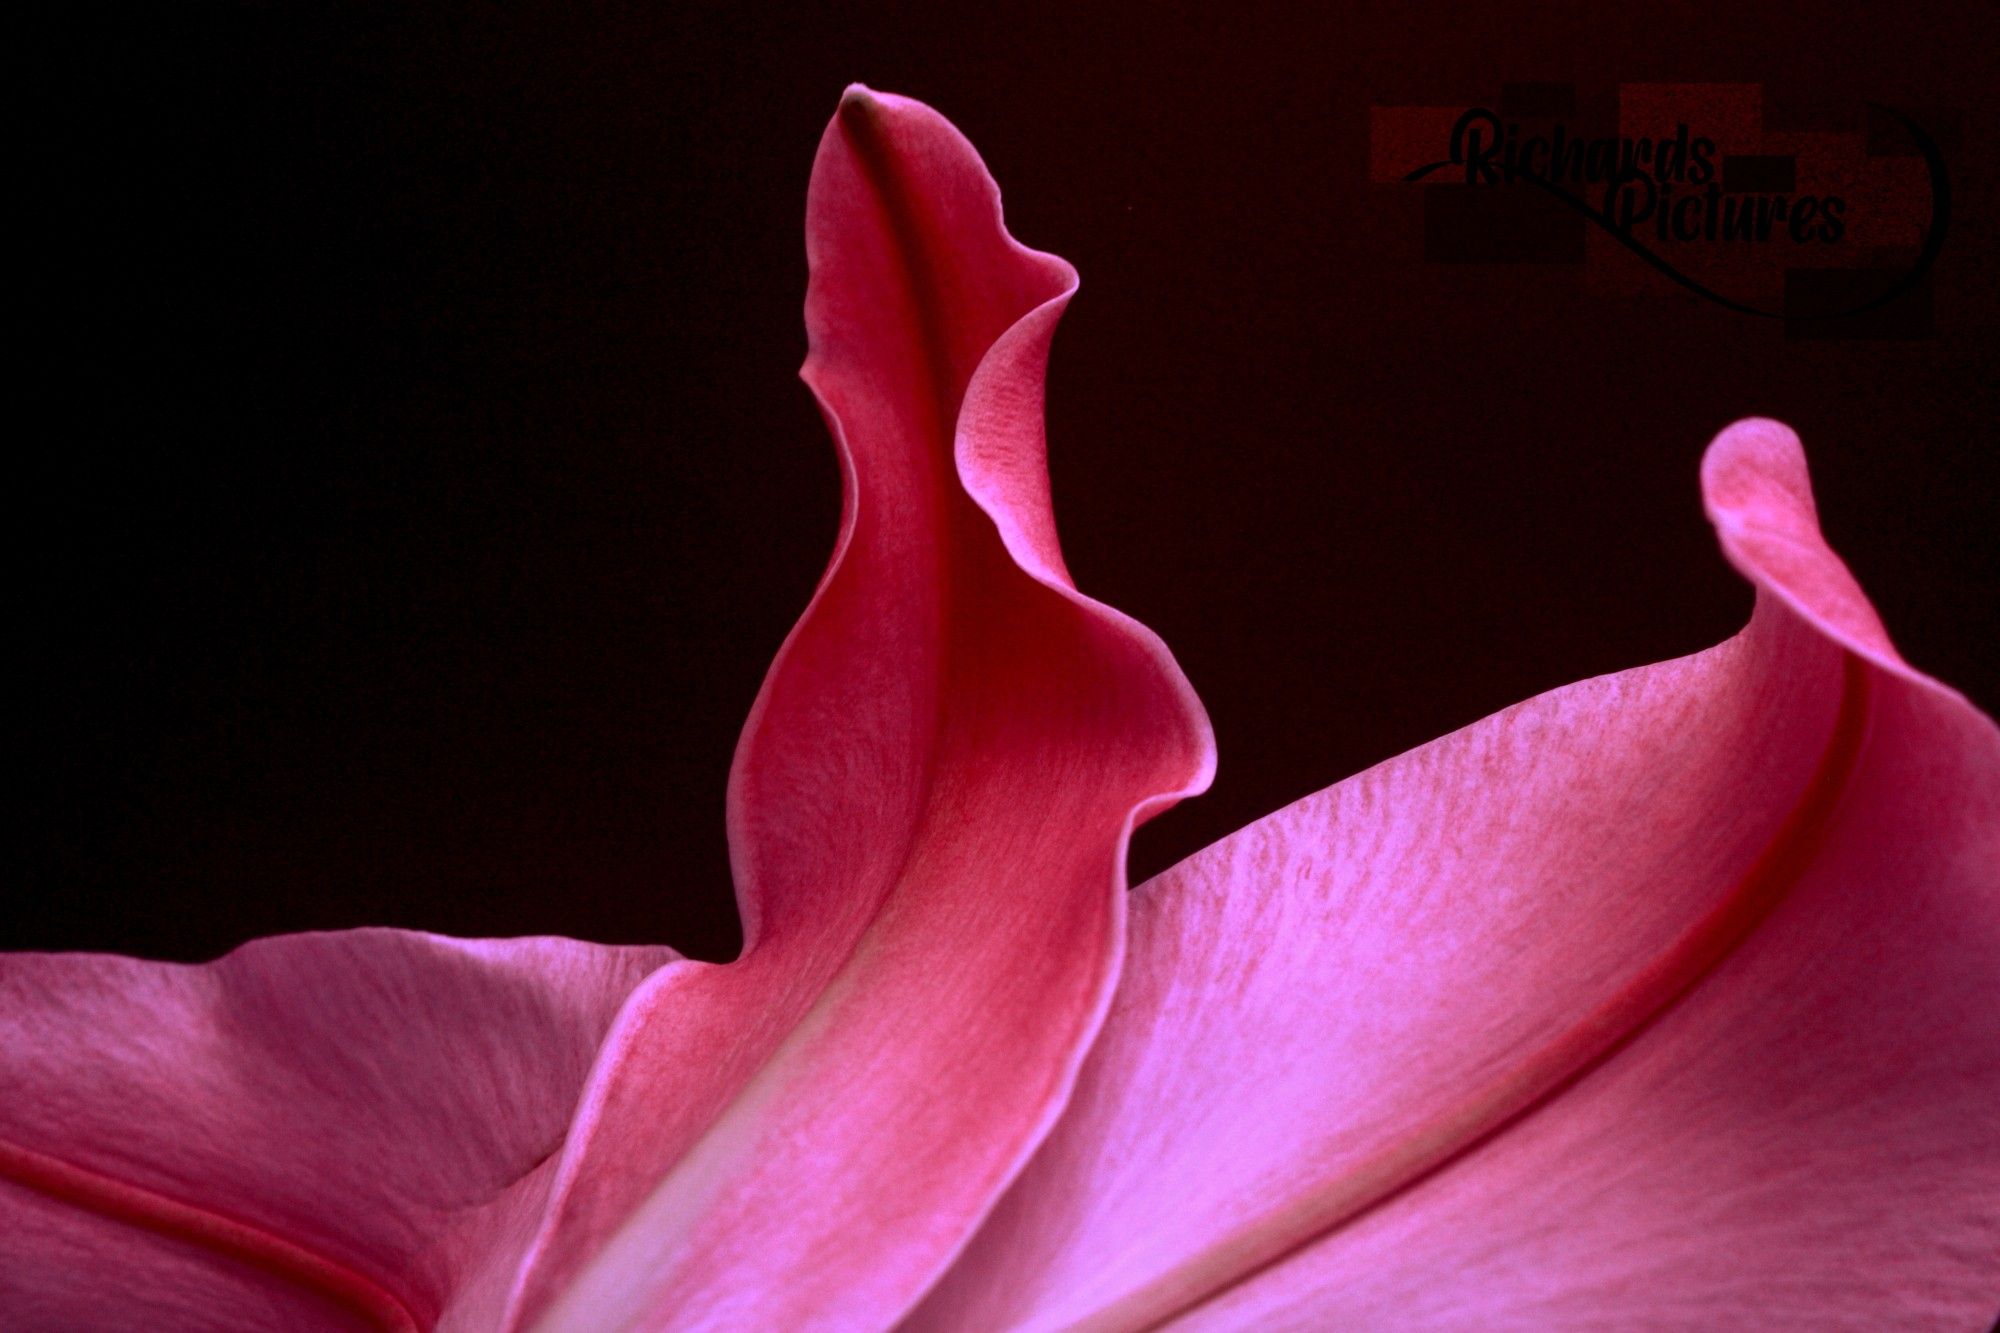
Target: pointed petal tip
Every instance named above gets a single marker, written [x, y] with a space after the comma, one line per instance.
[865, 116]
[869, 116]
[858, 99]
[860, 104]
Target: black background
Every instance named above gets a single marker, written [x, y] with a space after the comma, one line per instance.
[418, 485]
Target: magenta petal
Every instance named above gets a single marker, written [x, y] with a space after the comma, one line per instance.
[928, 815]
[1664, 1000]
[336, 1130]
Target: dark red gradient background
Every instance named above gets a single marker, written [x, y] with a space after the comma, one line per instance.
[427, 485]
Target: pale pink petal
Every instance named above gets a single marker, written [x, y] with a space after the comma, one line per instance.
[1663, 1001]
[339, 1130]
[928, 815]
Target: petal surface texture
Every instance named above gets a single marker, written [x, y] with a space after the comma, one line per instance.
[348, 1130]
[1664, 1000]
[928, 815]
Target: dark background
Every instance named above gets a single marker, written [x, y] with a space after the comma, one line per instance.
[426, 486]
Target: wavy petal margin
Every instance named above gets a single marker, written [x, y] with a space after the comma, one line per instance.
[1664, 1000]
[928, 814]
[928, 818]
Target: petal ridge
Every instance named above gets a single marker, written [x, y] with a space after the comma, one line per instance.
[246, 1243]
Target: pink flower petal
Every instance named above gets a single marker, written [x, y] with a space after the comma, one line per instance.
[348, 1129]
[1664, 1000]
[928, 814]
[928, 818]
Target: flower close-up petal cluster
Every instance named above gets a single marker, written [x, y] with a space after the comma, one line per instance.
[1661, 1000]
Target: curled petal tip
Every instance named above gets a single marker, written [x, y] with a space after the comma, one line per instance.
[1754, 473]
[1759, 496]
